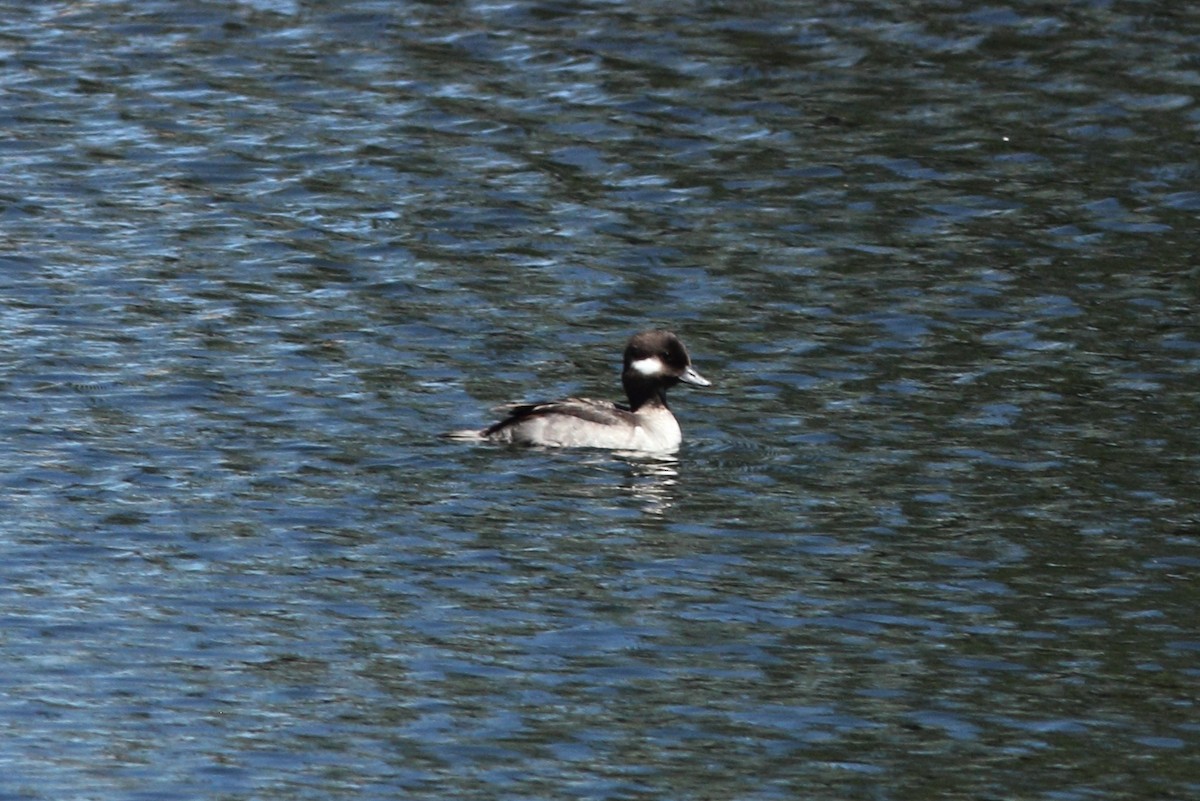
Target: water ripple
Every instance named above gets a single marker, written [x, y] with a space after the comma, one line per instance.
[937, 510]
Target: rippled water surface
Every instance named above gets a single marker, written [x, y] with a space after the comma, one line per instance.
[935, 529]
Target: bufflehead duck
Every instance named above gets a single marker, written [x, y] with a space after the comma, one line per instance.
[654, 362]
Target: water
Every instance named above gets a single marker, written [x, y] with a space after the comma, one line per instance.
[934, 529]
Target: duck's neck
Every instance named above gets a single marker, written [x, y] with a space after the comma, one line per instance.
[643, 394]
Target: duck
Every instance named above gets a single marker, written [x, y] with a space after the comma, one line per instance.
[654, 361]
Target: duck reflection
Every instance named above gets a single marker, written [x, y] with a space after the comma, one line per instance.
[651, 479]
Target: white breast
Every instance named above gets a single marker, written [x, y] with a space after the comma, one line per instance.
[657, 430]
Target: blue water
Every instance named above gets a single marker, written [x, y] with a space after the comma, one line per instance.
[933, 532]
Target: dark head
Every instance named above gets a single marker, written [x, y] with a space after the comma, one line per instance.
[654, 362]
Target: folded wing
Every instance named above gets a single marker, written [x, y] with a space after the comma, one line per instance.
[603, 413]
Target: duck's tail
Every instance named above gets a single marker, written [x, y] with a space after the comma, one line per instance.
[465, 434]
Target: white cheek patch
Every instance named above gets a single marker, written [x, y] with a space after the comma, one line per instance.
[651, 365]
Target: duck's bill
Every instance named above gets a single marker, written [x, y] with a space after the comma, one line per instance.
[690, 376]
